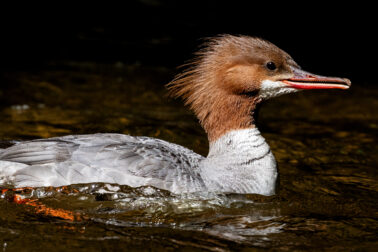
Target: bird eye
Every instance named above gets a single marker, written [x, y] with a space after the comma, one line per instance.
[271, 66]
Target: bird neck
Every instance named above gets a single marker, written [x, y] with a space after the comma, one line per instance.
[225, 113]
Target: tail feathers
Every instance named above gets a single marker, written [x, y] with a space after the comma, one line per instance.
[8, 170]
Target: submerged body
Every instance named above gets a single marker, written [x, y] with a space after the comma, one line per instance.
[225, 83]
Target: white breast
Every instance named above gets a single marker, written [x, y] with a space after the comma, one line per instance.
[240, 161]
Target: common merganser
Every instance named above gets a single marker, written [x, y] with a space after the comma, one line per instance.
[222, 85]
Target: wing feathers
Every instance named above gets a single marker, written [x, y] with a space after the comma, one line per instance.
[106, 158]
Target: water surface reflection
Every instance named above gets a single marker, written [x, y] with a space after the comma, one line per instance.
[324, 142]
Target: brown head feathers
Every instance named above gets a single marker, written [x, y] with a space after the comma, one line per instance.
[221, 83]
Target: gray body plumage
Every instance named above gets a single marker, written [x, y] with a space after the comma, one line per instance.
[240, 161]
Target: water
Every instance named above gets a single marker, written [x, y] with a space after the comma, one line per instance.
[324, 142]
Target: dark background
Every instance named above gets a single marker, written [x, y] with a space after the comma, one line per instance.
[335, 39]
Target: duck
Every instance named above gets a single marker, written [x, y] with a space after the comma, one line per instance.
[229, 76]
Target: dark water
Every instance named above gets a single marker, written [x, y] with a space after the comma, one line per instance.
[325, 143]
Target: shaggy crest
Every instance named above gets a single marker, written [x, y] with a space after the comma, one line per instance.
[199, 84]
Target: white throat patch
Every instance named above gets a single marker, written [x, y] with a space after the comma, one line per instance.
[271, 89]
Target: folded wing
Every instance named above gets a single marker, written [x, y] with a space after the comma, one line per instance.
[108, 158]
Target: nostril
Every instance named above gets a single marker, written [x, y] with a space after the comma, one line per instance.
[311, 76]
